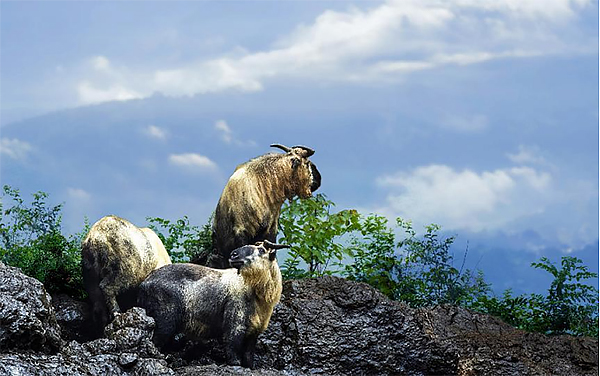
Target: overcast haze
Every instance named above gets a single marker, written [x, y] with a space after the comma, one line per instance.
[481, 116]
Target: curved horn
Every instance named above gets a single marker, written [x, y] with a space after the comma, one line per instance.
[308, 150]
[282, 147]
[274, 246]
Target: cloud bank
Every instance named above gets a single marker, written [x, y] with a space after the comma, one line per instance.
[384, 42]
[465, 200]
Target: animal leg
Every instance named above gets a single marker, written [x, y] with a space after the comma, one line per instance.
[234, 335]
[91, 281]
[167, 327]
[110, 298]
[99, 311]
[269, 234]
[248, 355]
[161, 304]
[234, 344]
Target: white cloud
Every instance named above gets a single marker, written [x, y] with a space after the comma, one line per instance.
[472, 123]
[227, 134]
[100, 63]
[558, 10]
[527, 155]
[88, 94]
[192, 160]
[386, 67]
[156, 132]
[381, 43]
[223, 128]
[14, 148]
[465, 199]
[78, 194]
[206, 77]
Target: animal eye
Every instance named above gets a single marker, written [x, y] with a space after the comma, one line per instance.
[296, 162]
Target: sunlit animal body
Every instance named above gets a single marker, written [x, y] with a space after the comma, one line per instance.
[249, 207]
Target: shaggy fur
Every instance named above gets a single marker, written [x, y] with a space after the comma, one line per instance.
[116, 257]
[234, 305]
[249, 207]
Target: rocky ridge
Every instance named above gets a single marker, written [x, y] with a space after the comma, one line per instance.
[327, 326]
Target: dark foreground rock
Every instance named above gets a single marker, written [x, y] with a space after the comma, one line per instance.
[73, 318]
[333, 326]
[27, 319]
[126, 350]
[326, 326]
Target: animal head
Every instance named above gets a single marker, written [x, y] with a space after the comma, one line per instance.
[254, 256]
[305, 174]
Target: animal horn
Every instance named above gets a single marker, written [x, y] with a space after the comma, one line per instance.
[274, 246]
[282, 147]
[308, 150]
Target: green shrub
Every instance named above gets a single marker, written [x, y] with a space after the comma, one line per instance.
[373, 256]
[415, 270]
[420, 270]
[315, 235]
[31, 239]
[184, 242]
[570, 307]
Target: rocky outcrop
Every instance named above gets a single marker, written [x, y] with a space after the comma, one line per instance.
[126, 350]
[336, 327]
[27, 319]
[73, 318]
[326, 326]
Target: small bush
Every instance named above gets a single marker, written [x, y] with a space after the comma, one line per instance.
[570, 307]
[418, 271]
[184, 242]
[315, 236]
[31, 239]
[415, 270]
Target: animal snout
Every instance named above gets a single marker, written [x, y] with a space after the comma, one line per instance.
[236, 259]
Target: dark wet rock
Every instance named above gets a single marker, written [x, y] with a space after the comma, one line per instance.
[332, 326]
[324, 326]
[35, 364]
[127, 360]
[73, 317]
[60, 364]
[221, 370]
[128, 350]
[27, 319]
[336, 327]
[132, 332]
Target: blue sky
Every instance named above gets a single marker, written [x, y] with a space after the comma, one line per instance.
[481, 116]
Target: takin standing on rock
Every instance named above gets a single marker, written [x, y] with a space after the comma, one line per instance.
[234, 305]
[116, 256]
[249, 207]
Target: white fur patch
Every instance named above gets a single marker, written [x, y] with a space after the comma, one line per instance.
[233, 282]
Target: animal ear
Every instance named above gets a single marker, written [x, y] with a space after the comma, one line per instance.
[272, 254]
[295, 163]
[303, 151]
